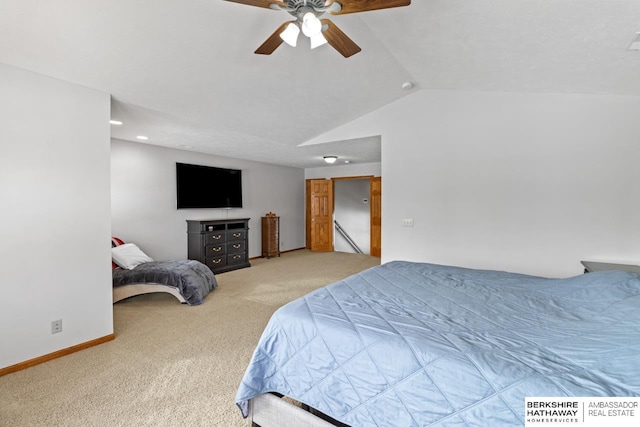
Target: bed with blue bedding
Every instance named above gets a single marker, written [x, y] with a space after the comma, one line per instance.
[414, 344]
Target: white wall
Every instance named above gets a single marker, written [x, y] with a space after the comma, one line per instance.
[143, 199]
[531, 183]
[54, 188]
[342, 171]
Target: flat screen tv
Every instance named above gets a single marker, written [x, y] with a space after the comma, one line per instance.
[208, 187]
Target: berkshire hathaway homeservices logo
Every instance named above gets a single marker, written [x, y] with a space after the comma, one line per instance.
[582, 411]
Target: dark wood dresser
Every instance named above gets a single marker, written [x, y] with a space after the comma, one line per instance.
[270, 236]
[222, 245]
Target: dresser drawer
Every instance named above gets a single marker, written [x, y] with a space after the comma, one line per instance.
[215, 250]
[216, 262]
[236, 247]
[215, 237]
[236, 258]
[236, 235]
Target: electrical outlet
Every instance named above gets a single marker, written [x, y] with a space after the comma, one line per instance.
[407, 222]
[56, 326]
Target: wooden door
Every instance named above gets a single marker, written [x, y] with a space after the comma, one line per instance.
[320, 196]
[307, 213]
[375, 203]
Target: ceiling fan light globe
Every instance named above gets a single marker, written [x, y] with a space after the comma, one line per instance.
[290, 34]
[317, 40]
[311, 25]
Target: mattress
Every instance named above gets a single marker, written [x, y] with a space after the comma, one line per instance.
[417, 344]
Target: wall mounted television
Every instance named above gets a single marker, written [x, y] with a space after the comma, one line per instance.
[208, 187]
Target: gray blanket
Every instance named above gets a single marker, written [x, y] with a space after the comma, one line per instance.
[192, 278]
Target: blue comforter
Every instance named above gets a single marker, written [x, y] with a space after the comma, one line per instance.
[413, 344]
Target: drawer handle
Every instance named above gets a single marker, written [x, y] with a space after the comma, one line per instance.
[216, 261]
[237, 234]
[216, 236]
[236, 246]
[217, 249]
[237, 256]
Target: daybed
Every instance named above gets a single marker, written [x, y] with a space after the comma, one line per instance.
[135, 273]
[414, 344]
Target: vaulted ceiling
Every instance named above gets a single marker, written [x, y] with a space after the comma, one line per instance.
[184, 72]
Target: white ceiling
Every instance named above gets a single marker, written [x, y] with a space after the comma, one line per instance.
[183, 72]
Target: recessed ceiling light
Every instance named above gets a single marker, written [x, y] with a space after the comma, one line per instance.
[115, 122]
[635, 44]
[142, 137]
[347, 161]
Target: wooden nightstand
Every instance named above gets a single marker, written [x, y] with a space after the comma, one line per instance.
[591, 266]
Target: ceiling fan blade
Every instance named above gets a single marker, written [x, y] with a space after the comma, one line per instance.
[260, 3]
[353, 6]
[272, 43]
[339, 40]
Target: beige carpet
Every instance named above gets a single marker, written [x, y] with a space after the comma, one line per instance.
[170, 364]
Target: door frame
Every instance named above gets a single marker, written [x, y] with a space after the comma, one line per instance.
[375, 206]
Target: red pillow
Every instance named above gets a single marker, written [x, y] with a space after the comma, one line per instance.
[115, 242]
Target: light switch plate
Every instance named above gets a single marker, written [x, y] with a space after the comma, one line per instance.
[407, 222]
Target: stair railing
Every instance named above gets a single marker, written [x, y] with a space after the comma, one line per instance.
[347, 237]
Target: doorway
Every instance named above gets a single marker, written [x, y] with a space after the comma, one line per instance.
[354, 201]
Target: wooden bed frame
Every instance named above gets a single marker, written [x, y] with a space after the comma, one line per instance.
[134, 289]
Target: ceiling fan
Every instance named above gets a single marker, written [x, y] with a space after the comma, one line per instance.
[319, 31]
